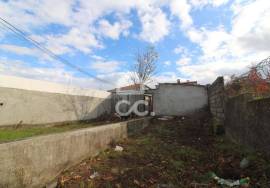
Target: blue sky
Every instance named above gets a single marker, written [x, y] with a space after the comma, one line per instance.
[196, 39]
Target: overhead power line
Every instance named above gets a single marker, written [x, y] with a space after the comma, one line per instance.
[23, 35]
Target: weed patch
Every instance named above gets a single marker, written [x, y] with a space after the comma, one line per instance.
[170, 154]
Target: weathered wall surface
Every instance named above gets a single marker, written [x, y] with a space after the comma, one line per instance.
[179, 99]
[36, 161]
[216, 95]
[38, 102]
[248, 121]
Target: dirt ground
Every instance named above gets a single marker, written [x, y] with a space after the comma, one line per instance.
[181, 152]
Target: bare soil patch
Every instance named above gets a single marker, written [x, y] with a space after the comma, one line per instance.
[176, 153]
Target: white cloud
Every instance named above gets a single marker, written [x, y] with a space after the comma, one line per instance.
[119, 79]
[99, 58]
[93, 10]
[181, 9]
[219, 2]
[26, 51]
[224, 50]
[183, 61]
[250, 26]
[181, 50]
[79, 18]
[154, 22]
[30, 14]
[213, 43]
[60, 75]
[215, 3]
[69, 14]
[21, 50]
[164, 77]
[75, 39]
[20, 68]
[227, 52]
[105, 66]
[114, 30]
[155, 25]
[208, 72]
[167, 63]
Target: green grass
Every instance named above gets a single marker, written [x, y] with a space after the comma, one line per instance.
[11, 134]
[188, 152]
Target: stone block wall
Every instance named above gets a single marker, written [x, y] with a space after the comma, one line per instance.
[216, 97]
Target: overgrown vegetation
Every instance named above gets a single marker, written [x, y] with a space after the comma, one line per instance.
[255, 81]
[176, 153]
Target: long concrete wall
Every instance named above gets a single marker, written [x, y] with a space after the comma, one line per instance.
[36, 161]
[247, 121]
[26, 101]
[179, 99]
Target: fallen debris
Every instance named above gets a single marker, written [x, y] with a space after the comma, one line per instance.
[62, 180]
[118, 148]
[117, 115]
[244, 163]
[165, 186]
[94, 175]
[152, 113]
[195, 185]
[244, 182]
[115, 170]
[136, 182]
[165, 118]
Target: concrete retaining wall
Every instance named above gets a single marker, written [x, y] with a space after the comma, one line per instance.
[248, 122]
[179, 99]
[36, 161]
[26, 101]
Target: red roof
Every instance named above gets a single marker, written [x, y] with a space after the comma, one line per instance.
[130, 87]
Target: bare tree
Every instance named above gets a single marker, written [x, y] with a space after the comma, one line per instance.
[145, 66]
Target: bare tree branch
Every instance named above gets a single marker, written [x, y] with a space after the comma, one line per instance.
[145, 66]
